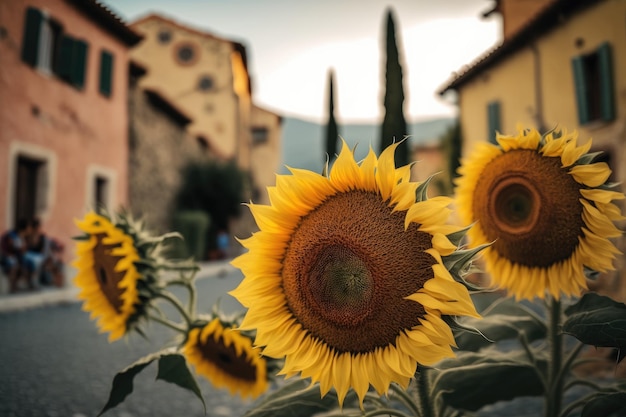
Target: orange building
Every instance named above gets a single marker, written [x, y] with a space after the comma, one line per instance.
[64, 68]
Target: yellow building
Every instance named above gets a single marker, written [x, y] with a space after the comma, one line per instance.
[207, 78]
[560, 63]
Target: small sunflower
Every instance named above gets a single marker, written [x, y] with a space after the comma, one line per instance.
[227, 359]
[547, 208]
[345, 278]
[107, 276]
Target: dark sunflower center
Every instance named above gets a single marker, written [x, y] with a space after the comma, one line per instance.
[339, 279]
[516, 204]
[348, 268]
[530, 206]
[226, 359]
[104, 269]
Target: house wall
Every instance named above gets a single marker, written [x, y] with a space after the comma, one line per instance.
[214, 112]
[550, 97]
[266, 157]
[77, 133]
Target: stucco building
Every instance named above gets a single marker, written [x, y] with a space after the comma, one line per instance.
[560, 63]
[63, 111]
[207, 78]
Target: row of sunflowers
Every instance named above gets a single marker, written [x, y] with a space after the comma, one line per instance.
[359, 288]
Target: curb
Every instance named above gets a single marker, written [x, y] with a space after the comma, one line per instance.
[46, 297]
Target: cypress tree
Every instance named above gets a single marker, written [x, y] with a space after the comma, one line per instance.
[332, 132]
[394, 125]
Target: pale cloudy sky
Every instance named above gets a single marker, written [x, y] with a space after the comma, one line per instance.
[292, 44]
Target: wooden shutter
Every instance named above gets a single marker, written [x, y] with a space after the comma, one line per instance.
[79, 63]
[106, 73]
[493, 120]
[607, 92]
[71, 61]
[30, 40]
[580, 86]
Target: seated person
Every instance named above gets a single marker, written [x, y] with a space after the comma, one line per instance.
[12, 250]
[44, 256]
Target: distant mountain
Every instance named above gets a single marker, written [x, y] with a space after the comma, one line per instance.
[303, 141]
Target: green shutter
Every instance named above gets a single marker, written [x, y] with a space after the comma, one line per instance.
[63, 67]
[106, 73]
[79, 63]
[30, 40]
[607, 95]
[493, 120]
[580, 85]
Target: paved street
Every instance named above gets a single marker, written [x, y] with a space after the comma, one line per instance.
[54, 363]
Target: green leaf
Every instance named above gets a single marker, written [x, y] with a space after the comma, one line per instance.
[421, 193]
[458, 261]
[173, 368]
[606, 405]
[123, 382]
[297, 398]
[473, 380]
[457, 237]
[597, 320]
[478, 333]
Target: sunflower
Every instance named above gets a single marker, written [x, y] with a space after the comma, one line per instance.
[345, 278]
[546, 206]
[107, 276]
[227, 359]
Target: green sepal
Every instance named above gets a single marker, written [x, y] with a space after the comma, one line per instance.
[473, 380]
[421, 194]
[607, 405]
[173, 369]
[457, 237]
[588, 158]
[597, 320]
[458, 261]
[296, 398]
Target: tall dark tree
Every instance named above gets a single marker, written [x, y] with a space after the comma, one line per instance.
[332, 131]
[394, 125]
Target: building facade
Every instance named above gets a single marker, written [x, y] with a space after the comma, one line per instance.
[564, 65]
[63, 111]
[207, 78]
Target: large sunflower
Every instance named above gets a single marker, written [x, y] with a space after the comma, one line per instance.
[227, 359]
[107, 276]
[547, 208]
[345, 278]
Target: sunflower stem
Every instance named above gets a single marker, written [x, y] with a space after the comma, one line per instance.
[554, 390]
[425, 403]
[176, 303]
[404, 398]
[167, 323]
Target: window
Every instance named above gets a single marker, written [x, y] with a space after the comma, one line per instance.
[101, 192]
[593, 82]
[205, 83]
[41, 40]
[164, 36]
[48, 49]
[259, 135]
[186, 53]
[106, 73]
[493, 120]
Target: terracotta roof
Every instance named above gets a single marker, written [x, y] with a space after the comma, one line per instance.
[109, 21]
[543, 22]
[160, 101]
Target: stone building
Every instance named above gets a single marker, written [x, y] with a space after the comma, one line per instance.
[207, 78]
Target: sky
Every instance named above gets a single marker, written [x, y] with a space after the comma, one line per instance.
[292, 46]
